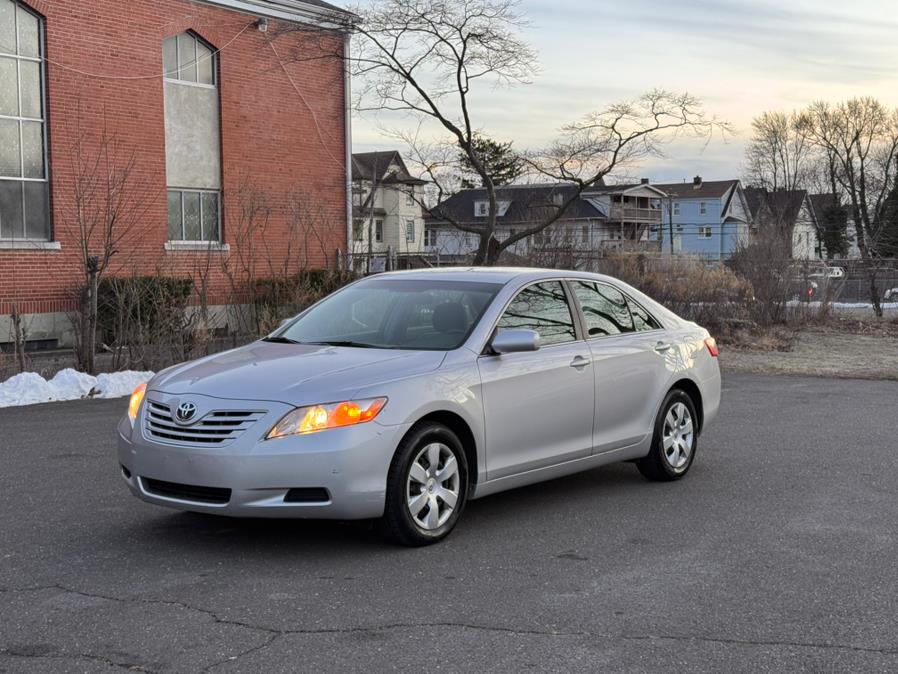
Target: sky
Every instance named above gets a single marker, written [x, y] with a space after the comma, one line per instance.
[741, 57]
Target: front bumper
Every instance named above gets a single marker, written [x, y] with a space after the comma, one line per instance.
[350, 463]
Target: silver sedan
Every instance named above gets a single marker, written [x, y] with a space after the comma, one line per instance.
[404, 395]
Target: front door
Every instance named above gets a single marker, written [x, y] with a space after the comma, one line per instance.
[539, 405]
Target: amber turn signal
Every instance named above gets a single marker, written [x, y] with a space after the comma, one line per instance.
[315, 418]
[136, 400]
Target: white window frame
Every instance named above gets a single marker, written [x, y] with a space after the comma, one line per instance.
[705, 232]
[481, 209]
[20, 119]
[410, 230]
[410, 197]
[175, 75]
[676, 208]
[205, 241]
[703, 208]
[431, 237]
[378, 231]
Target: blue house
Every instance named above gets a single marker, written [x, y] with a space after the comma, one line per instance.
[706, 218]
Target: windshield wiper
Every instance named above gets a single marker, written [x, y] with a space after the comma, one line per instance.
[358, 345]
[280, 340]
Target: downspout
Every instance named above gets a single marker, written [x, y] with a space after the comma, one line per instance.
[347, 134]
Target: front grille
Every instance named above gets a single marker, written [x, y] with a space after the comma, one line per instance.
[218, 427]
[186, 492]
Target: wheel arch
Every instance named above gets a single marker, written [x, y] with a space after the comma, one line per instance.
[691, 389]
[457, 424]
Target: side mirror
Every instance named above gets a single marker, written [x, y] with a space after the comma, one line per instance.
[515, 341]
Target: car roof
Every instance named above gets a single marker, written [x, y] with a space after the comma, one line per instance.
[501, 275]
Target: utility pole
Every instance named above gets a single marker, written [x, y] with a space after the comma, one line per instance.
[670, 226]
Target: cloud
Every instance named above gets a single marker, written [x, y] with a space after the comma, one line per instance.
[740, 56]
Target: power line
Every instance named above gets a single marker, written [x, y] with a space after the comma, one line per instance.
[339, 162]
[101, 76]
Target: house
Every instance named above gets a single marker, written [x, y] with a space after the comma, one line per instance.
[819, 204]
[791, 213]
[708, 218]
[602, 217]
[184, 118]
[631, 212]
[386, 204]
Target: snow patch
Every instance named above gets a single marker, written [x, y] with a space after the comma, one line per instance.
[119, 384]
[29, 388]
[70, 384]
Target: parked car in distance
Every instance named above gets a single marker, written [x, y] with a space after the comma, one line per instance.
[404, 395]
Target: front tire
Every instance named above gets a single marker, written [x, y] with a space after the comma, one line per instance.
[675, 440]
[427, 486]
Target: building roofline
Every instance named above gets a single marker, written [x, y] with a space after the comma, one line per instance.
[295, 11]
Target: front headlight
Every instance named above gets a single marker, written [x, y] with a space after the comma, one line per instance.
[316, 418]
[134, 404]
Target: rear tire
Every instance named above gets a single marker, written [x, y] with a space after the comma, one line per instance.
[427, 486]
[674, 442]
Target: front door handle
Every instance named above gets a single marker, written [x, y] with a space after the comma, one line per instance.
[661, 347]
[580, 362]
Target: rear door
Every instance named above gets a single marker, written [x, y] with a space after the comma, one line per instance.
[628, 352]
[539, 405]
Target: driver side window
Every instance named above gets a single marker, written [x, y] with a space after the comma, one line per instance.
[542, 307]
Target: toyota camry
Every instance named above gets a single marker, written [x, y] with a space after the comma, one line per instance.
[404, 395]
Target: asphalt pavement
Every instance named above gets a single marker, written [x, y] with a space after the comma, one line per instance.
[776, 553]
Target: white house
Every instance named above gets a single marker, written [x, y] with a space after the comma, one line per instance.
[792, 212]
[387, 212]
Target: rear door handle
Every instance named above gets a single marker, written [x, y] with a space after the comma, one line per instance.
[661, 347]
[580, 362]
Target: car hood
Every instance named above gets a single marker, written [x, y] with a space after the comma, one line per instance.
[295, 374]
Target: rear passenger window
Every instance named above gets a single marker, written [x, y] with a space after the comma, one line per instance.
[642, 319]
[604, 308]
[542, 307]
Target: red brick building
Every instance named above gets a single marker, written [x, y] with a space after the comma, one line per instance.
[192, 137]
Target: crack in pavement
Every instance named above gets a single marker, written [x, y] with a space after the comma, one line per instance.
[128, 666]
[276, 633]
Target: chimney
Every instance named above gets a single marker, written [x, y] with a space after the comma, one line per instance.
[696, 182]
[644, 181]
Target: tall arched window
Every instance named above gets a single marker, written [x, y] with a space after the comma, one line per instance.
[24, 187]
[192, 140]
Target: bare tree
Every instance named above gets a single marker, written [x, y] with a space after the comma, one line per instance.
[247, 221]
[109, 203]
[861, 138]
[426, 58]
[779, 155]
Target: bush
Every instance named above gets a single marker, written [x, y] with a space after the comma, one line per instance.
[279, 298]
[766, 264]
[711, 296]
[142, 319]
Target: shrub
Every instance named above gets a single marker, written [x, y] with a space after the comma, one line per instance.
[142, 319]
[710, 295]
[279, 298]
[766, 264]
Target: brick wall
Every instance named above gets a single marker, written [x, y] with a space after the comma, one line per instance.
[274, 153]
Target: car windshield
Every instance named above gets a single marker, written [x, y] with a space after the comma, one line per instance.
[385, 313]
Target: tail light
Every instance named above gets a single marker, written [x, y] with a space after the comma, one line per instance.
[711, 343]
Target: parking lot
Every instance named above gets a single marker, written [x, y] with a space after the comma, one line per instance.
[776, 553]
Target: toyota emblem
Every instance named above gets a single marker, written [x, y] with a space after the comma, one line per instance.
[186, 412]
